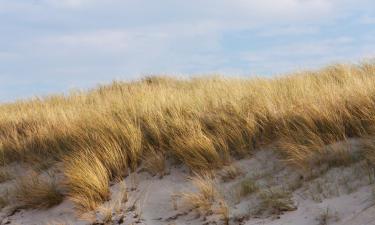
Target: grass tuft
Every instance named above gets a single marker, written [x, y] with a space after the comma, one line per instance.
[275, 202]
[37, 191]
[87, 180]
[247, 186]
[204, 197]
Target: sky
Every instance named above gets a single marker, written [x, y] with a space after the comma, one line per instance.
[54, 46]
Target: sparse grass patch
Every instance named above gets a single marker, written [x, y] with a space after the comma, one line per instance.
[223, 210]
[275, 201]
[3, 202]
[35, 191]
[122, 194]
[115, 206]
[204, 197]
[368, 146]
[326, 216]
[106, 214]
[230, 172]
[340, 154]
[5, 175]
[247, 186]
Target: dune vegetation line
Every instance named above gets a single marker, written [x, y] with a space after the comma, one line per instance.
[102, 135]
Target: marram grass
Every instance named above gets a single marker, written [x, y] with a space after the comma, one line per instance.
[105, 133]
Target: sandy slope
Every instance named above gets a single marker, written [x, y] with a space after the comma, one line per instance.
[327, 195]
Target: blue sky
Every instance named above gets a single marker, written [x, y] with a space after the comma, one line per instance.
[52, 46]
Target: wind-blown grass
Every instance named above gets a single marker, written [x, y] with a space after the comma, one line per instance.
[201, 122]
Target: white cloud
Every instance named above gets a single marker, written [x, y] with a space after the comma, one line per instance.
[7, 6]
[223, 10]
[105, 39]
[286, 7]
[309, 54]
[141, 39]
[29, 5]
[7, 56]
[288, 31]
[332, 46]
[368, 20]
[70, 3]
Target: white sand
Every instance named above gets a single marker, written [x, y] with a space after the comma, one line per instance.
[341, 195]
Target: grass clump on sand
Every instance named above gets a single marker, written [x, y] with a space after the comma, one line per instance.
[202, 122]
[247, 186]
[87, 180]
[204, 197]
[275, 202]
[37, 191]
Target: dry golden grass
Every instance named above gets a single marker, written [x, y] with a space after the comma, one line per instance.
[229, 173]
[201, 122]
[275, 202]
[87, 180]
[223, 211]
[35, 191]
[203, 198]
[247, 186]
[206, 199]
[368, 146]
[5, 175]
[155, 163]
